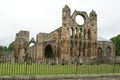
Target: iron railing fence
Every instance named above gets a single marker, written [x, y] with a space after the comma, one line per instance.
[8, 66]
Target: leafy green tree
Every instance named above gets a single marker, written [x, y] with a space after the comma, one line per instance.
[11, 46]
[2, 50]
[1, 53]
[116, 41]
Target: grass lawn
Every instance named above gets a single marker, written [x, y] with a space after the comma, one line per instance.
[43, 69]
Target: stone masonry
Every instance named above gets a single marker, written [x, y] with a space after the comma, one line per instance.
[69, 43]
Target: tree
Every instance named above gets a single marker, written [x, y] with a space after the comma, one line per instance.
[11, 46]
[116, 41]
[2, 50]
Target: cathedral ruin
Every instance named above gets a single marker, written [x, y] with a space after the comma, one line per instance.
[68, 43]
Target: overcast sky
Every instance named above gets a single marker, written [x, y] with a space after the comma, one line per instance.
[45, 16]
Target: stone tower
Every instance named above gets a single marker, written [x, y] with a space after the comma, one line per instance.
[93, 32]
[21, 44]
[65, 40]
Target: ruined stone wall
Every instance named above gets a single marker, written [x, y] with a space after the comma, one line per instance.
[78, 40]
[32, 52]
[20, 44]
[106, 53]
[70, 42]
[53, 35]
[44, 39]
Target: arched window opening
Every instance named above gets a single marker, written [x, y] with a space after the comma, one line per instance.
[108, 51]
[48, 51]
[80, 33]
[76, 33]
[89, 49]
[99, 52]
[80, 45]
[95, 44]
[84, 49]
[89, 34]
[71, 31]
[71, 50]
[85, 33]
[32, 42]
[80, 30]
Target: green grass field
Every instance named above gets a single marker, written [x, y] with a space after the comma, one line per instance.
[42, 69]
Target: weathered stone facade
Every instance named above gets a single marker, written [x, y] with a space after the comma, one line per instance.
[106, 51]
[21, 44]
[68, 43]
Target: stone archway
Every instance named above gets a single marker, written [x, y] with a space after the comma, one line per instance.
[32, 41]
[100, 52]
[100, 55]
[48, 51]
[108, 51]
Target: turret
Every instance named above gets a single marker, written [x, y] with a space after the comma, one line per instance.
[65, 21]
[93, 24]
[65, 43]
[93, 15]
[66, 12]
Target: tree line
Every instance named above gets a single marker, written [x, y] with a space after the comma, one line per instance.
[116, 41]
[4, 49]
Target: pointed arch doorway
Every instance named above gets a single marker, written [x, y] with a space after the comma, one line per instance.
[48, 51]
